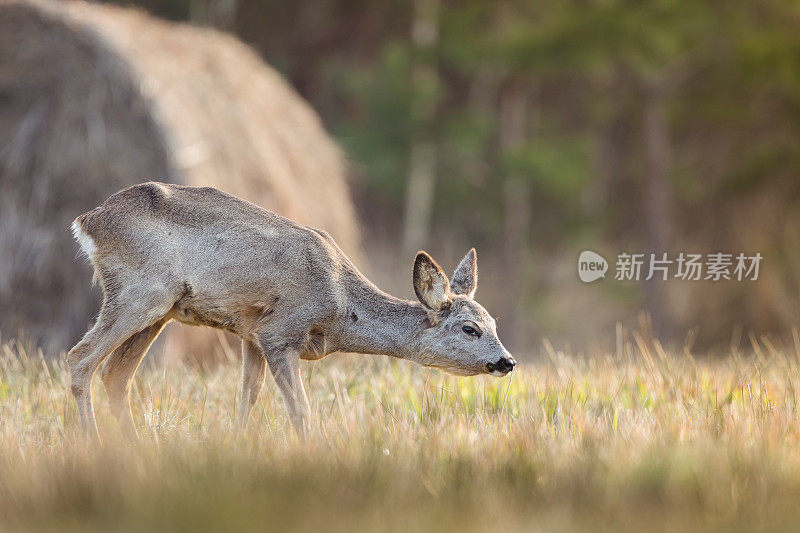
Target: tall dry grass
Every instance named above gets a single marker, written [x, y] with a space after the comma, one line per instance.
[632, 440]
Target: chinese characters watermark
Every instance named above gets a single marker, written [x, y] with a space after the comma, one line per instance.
[716, 266]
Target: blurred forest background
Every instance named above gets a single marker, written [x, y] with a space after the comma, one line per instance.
[535, 130]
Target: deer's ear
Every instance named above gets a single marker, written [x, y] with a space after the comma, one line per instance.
[430, 282]
[465, 278]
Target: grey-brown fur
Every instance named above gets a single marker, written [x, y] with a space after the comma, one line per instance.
[203, 257]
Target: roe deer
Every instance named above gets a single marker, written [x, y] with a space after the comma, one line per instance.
[204, 257]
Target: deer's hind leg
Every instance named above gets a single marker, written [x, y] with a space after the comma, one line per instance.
[119, 319]
[119, 369]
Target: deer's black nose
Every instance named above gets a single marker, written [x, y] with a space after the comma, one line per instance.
[504, 365]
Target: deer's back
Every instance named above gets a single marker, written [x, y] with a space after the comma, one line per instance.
[221, 247]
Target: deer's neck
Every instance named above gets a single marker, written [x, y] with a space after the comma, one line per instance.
[378, 323]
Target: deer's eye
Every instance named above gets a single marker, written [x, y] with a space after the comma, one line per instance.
[469, 330]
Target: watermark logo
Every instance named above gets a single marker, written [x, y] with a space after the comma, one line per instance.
[662, 266]
[591, 266]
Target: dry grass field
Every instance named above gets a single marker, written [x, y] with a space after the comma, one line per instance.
[625, 441]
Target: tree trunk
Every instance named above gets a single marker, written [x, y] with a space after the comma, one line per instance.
[516, 213]
[658, 194]
[216, 13]
[423, 151]
[606, 169]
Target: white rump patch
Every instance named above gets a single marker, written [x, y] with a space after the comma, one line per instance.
[85, 241]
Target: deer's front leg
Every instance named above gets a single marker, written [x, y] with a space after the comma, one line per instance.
[285, 368]
[254, 370]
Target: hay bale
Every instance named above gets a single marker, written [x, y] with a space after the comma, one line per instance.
[94, 98]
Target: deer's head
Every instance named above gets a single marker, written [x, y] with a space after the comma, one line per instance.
[460, 335]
